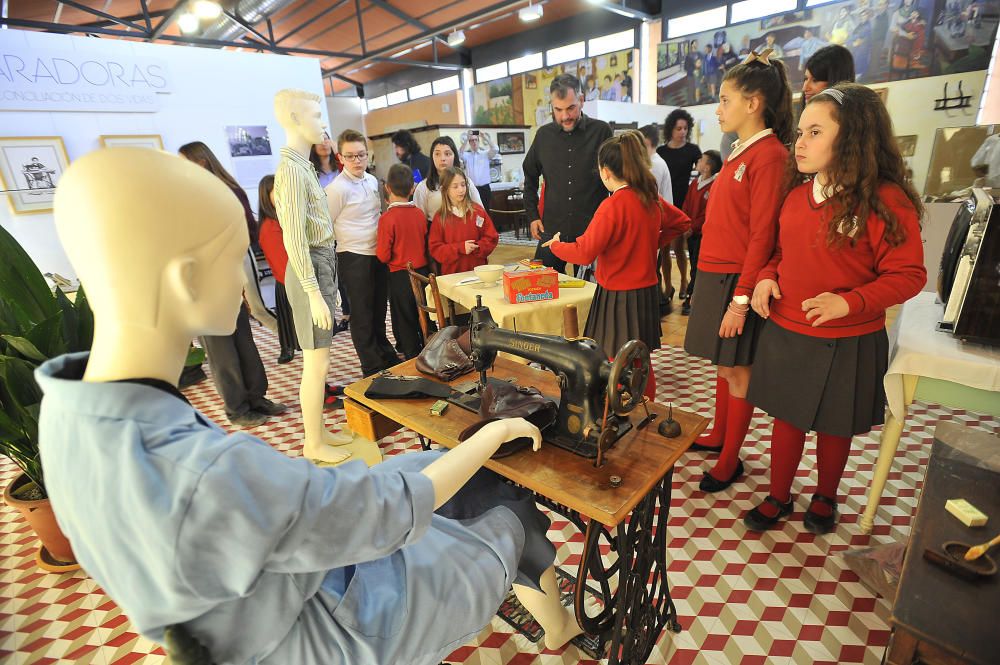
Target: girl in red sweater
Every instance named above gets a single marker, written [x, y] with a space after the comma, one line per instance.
[273, 246]
[624, 236]
[461, 236]
[695, 205]
[737, 241]
[848, 248]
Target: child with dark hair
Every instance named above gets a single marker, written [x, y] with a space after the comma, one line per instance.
[273, 245]
[402, 241]
[738, 239]
[849, 248]
[624, 236]
[828, 66]
[695, 205]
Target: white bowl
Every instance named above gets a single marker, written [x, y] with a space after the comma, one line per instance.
[489, 274]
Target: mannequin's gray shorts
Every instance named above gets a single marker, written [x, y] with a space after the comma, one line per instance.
[324, 262]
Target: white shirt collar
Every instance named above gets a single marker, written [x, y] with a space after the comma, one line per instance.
[820, 193]
[739, 147]
[705, 182]
[409, 204]
[350, 176]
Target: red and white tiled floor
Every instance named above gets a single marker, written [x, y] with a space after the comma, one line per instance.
[782, 597]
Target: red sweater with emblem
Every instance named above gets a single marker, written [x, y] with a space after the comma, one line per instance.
[867, 272]
[742, 216]
[402, 237]
[696, 204]
[624, 236]
[446, 240]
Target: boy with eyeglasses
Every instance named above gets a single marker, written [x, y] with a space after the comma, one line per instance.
[355, 208]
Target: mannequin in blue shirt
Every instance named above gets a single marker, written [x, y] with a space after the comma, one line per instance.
[260, 557]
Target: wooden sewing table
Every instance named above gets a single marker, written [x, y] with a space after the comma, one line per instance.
[633, 593]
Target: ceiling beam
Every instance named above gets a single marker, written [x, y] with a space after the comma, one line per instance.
[622, 9]
[63, 27]
[246, 26]
[496, 8]
[419, 63]
[98, 13]
[312, 20]
[361, 27]
[400, 14]
[134, 17]
[167, 20]
[146, 16]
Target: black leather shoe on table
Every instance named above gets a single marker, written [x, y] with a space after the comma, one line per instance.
[821, 524]
[710, 483]
[755, 520]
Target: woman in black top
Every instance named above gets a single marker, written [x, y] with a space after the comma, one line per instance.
[681, 157]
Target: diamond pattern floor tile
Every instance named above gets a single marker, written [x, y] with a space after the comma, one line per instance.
[783, 597]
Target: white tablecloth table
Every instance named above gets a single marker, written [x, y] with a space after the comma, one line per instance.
[934, 366]
[544, 317]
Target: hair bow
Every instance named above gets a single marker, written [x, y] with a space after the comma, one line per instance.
[762, 57]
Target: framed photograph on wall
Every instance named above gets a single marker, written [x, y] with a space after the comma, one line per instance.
[132, 141]
[30, 169]
[510, 143]
[907, 145]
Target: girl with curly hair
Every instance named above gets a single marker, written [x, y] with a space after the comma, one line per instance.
[849, 247]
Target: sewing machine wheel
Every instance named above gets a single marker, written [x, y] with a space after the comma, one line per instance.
[629, 375]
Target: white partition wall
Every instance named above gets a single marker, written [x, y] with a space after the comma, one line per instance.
[117, 87]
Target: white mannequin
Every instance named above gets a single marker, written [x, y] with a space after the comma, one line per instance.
[302, 120]
[160, 254]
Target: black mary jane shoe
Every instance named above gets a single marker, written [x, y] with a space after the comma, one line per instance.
[755, 520]
[710, 483]
[821, 524]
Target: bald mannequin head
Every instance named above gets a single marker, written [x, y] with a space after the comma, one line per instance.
[156, 240]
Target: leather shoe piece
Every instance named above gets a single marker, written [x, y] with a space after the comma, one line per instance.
[248, 419]
[341, 326]
[269, 408]
[709, 483]
[686, 307]
[332, 403]
[821, 524]
[334, 390]
[285, 358]
[755, 520]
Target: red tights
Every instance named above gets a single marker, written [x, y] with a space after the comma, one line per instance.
[787, 442]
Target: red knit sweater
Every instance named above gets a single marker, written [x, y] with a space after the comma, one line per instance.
[624, 236]
[696, 203]
[273, 246]
[742, 216]
[446, 240]
[402, 237]
[870, 274]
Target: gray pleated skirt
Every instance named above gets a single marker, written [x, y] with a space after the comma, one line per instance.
[324, 262]
[619, 316]
[832, 386]
[712, 293]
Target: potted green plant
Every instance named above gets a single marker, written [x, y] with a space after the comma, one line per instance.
[36, 323]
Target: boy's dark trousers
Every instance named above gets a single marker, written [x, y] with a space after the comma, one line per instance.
[403, 313]
[366, 281]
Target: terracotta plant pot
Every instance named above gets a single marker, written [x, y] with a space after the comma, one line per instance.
[57, 554]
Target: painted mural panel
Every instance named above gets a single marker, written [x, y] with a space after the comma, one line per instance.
[524, 98]
[889, 39]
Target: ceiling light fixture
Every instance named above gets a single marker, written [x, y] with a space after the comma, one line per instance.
[188, 23]
[206, 9]
[530, 13]
[456, 38]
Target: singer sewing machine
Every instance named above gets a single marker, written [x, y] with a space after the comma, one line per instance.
[596, 395]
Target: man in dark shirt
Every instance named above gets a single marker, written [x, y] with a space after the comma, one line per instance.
[565, 153]
[408, 152]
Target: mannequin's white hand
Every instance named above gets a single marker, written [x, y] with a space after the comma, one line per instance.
[320, 311]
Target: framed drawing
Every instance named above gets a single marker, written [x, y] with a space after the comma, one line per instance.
[907, 145]
[132, 141]
[510, 142]
[30, 169]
